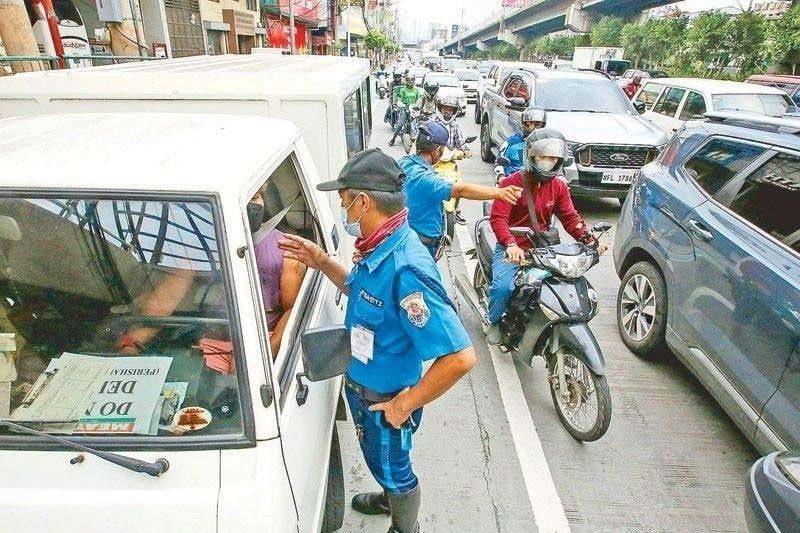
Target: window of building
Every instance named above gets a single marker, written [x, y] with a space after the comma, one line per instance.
[769, 198]
[716, 163]
[670, 100]
[694, 106]
[131, 332]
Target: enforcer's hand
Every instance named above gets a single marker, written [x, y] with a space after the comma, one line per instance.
[509, 194]
[303, 250]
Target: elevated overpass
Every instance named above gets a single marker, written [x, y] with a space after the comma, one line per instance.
[543, 17]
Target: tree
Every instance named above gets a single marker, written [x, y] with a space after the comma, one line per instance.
[785, 42]
[504, 51]
[747, 34]
[708, 41]
[635, 40]
[666, 41]
[607, 32]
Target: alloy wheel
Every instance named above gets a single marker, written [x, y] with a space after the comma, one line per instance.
[638, 307]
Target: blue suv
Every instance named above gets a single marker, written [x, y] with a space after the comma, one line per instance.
[708, 251]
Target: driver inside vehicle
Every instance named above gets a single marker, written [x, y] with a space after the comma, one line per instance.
[543, 196]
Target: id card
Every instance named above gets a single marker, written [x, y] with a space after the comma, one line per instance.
[361, 343]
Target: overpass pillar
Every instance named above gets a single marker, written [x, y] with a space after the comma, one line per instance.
[482, 46]
[576, 19]
[509, 37]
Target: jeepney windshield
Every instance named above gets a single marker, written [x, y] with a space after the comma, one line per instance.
[114, 318]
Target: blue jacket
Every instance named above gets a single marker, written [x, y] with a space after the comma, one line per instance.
[515, 153]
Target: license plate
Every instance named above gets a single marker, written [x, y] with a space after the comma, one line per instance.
[623, 177]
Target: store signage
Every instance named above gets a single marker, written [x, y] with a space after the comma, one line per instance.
[245, 23]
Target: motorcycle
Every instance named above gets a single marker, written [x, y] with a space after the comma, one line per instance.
[382, 87]
[407, 136]
[447, 167]
[547, 316]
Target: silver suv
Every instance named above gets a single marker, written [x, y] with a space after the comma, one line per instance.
[608, 138]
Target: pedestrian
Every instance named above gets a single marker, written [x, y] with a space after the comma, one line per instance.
[399, 316]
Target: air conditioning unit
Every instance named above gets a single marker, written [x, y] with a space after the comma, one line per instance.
[109, 10]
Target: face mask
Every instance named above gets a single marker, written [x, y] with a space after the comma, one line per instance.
[352, 228]
[546, 164]
[255, 215]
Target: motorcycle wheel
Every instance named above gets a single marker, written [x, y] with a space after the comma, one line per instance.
[585, 409]
[451, 224]
[479, 283]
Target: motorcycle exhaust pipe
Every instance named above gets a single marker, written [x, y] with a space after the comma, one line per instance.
[468, 292]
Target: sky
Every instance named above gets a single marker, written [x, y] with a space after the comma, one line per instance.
[421, 12]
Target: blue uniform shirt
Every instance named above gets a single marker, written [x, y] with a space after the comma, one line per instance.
[514, 153]
[425, 191]
[396, 293]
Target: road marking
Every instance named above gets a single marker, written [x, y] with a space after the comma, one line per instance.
[542, 494]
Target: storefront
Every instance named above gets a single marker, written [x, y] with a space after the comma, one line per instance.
[242, 34]
[216, 37]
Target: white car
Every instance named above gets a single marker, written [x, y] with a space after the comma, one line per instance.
[135, 322]
[469, 81]
[670, 102]
[493, 80]
[449, 84]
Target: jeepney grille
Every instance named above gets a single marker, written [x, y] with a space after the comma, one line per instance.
[614, 156]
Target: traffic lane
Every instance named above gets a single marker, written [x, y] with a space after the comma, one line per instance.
[463, 453]
[672, 460]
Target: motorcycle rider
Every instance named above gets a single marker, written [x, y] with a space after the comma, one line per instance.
[633, 86]
[544, 195]
[428, 102]
[394, 88]
[426, 190]
[446, 112]
[533, 118]
[407, 96]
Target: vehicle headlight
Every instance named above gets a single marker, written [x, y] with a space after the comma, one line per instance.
[570, 266]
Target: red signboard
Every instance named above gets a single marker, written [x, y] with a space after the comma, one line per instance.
[278, 33]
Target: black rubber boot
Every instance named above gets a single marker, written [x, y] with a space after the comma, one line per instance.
[371, 503]
[405, 510]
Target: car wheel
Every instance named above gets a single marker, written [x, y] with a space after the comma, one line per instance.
[486, 142]
[477, 117]
[333, 519]
[642, 309]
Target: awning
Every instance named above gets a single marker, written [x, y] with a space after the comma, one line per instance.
[214, 25]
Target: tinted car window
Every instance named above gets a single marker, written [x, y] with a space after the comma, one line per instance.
[669, 102]
[353, 132]
[695, 106]
[649, 94]
[769, 198]
[511, 87]
[716, 163]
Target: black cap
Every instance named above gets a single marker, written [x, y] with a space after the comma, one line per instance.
[368, 170]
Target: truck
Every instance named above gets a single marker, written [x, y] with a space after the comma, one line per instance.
[605, 58]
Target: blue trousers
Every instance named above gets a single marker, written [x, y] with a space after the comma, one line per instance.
[502, 286]
[385, 449]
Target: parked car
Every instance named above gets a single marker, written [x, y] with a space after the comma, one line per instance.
[708, 251]
[469, 82]
[670, 102]
[608, 137]
[451, 64]
[772, 503]
[484, 67]
[449, 84]
[786, 83]
[134, 262]
[497, 73]
[628, 75]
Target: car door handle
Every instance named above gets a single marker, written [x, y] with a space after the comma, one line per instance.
[700, 231]
[668, 213]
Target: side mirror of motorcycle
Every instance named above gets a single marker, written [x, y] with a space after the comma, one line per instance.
[470, 139]
[600, 227]
[502, 161]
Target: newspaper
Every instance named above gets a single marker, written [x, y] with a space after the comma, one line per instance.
[87, 394]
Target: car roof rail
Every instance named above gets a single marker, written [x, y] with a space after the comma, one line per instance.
[785, 124]
[595, 71]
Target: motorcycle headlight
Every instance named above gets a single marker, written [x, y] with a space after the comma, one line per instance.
[570, 266]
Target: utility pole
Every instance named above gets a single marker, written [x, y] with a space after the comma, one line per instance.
[292, 44]
[17, 35]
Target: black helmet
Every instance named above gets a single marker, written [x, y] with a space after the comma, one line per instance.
[431, 88]
[549, 143]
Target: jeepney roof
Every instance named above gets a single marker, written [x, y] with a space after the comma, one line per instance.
[254, 76]
[142, 152]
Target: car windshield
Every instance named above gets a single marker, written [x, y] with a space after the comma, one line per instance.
[115, 317]
[596, 95]
[774, 105]
[468, 74]
[443, 80]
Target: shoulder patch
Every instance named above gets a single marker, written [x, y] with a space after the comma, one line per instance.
[416, 308]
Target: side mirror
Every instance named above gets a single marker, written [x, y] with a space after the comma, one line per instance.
[502, 161]
[521, 232]
[9, 229]
[326, 352]
[470, 139]
[516, 101]
[601, 227]
[641, 107]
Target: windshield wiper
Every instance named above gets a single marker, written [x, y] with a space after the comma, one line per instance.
[155, 469]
